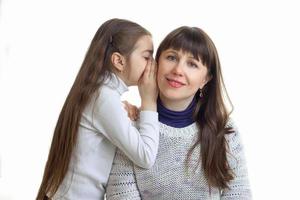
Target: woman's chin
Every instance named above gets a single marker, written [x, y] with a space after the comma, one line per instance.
[171, 96]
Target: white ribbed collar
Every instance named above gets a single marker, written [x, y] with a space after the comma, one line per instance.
[186, 132]
[113, 81]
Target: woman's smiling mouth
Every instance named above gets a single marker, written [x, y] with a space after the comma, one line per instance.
[174, 83]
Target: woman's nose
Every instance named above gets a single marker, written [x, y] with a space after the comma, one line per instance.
[178, 69]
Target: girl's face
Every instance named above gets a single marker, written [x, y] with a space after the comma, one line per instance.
[179, 77]
[138, 59]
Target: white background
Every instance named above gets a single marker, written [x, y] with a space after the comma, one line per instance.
[43, 45]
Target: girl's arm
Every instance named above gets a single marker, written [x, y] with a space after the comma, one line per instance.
[110, 119]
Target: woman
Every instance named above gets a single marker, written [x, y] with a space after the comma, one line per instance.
[200, 154]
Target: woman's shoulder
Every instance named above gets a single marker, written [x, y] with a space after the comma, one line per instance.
[233, 139]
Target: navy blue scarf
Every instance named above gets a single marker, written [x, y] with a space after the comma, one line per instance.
[177, 119]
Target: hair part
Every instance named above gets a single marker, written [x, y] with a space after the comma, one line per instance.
[211, 114]
[115, 35]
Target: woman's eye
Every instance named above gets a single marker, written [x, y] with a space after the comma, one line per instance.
[171, 57]
[147, 58]
[193, 65]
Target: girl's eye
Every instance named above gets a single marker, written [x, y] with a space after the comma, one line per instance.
[148, 56]
[171, 57]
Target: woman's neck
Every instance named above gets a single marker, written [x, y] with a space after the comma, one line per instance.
[178, 119]
[174, 104]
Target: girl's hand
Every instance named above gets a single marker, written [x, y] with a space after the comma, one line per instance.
[132, 111]
[148, 87]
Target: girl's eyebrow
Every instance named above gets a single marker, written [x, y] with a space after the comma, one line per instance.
[148, 50]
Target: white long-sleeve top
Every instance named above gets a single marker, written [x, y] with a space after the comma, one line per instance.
[103, 127]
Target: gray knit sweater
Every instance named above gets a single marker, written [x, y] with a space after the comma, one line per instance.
[169, 178]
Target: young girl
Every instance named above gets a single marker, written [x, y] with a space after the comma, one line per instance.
[93, 122]
[200, 153]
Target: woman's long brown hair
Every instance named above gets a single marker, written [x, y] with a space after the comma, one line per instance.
[115, 35]
[210, 114]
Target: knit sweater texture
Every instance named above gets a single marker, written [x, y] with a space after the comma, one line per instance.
[170, 178]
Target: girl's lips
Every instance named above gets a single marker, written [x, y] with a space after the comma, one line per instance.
[174, 83]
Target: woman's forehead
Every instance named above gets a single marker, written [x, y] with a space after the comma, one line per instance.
[185, 52]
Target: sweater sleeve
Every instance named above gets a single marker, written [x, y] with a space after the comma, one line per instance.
[239, 187]
[110, 119]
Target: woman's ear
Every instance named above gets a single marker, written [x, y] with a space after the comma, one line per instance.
[205, 81]
[118, 61]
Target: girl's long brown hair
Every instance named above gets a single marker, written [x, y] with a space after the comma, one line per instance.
[210, 114]
[115, 35]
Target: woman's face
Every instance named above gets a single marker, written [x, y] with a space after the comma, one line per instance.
[179, 77]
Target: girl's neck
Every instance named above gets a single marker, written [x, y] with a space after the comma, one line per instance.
[122, 77]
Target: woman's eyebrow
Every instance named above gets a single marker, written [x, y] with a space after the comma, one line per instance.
[172, 51]
[194, 58]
